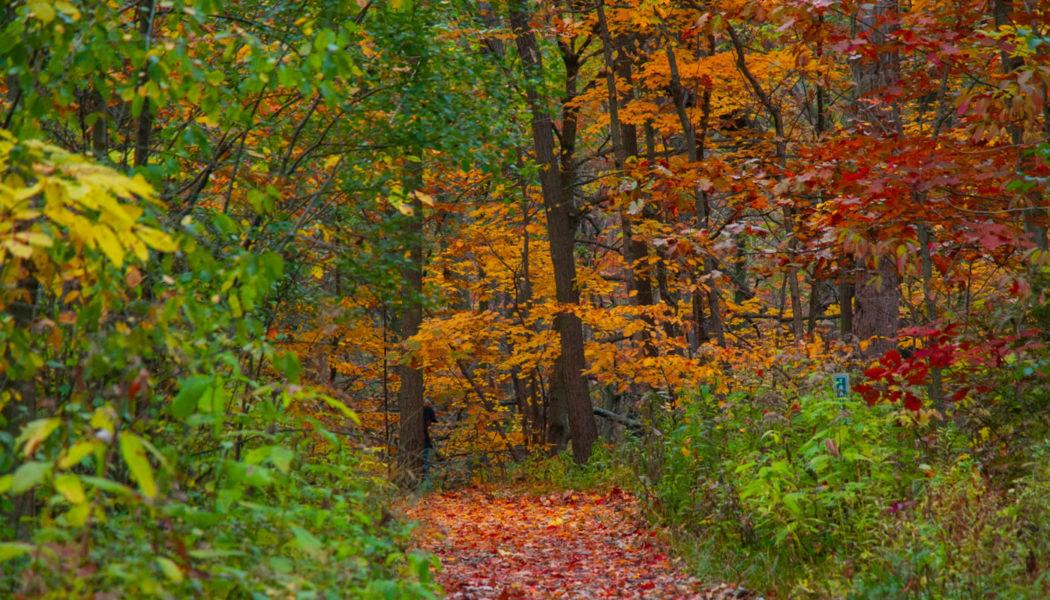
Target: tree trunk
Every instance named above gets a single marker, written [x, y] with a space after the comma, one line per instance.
[776, 115]
[410, 395]
[562, 241]
[1035, 213]
[21, 406]
[625, 144]
[144, 125]
[877, 296]
[708, 289]
[877, 289]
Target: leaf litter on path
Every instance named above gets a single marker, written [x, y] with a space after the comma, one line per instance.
[509, 545]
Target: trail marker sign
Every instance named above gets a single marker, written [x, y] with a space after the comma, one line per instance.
[841, 381]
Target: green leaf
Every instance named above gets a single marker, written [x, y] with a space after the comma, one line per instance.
[134, 452]
[170, 569]
[9, 550]
[257, 455]
[214, 398]
[282, 457]
[288, 364]
[341, 407]
[29, 475]
[107, 485]
[305, 541]
[190, 392]
[214, 553]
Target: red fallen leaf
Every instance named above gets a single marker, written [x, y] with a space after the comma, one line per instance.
[496, 546]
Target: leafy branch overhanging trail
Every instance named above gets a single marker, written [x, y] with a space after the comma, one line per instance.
[508, 544]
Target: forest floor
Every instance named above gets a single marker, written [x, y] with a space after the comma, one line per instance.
[505, 544]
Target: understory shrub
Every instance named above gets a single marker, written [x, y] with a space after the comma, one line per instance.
[808, 495]
[155, 441]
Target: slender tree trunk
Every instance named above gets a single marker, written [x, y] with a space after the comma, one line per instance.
[144, 126]
[100, 128]
[561, 236]
[708, 289]
[625, 144]
[776, 115]
[846, 299]
[410, 395]
[1035, 213]
[21, 407]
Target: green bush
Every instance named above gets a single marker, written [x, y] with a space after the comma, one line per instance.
[814, 496]
[155, 442]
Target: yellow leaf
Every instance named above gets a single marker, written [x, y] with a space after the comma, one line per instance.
[158, 240]
[235, 306]
[424, 198]
[137, 248]
[77, 453]
[78, 515]
[107, 241]
[34, 434]
[35, 238]
[19, 250]
[317, 271]
[68, 9]
[134, 452]
[102, 418]
[69, 486]
[42, 10]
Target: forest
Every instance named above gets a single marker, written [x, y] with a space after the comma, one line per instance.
[710, 299]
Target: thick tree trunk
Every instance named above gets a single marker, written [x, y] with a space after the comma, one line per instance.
[877, 288]
[410, 395]
[582, 427]
[877, 296]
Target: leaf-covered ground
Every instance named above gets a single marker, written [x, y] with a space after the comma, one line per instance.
[511, 545]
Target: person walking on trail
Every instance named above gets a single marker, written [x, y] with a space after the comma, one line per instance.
[429, 416]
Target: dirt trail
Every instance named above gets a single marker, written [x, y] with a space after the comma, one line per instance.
[511, 545]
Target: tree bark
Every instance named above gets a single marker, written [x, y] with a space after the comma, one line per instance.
[410, 395]
[582, 427]
[877, 289]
